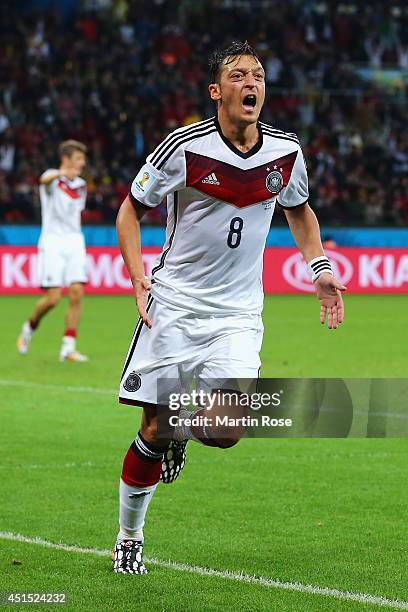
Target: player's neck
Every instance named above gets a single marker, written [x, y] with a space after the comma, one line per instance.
[243, 137]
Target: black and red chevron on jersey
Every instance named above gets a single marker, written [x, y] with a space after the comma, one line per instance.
[235, 185]
[220, 203]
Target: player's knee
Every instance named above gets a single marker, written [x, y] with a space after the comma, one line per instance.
[75, 295]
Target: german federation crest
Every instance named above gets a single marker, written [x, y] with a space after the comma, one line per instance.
[274, 181]
[132, 383]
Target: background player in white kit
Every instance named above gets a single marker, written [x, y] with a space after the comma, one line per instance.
[61, 248]
[200, 314]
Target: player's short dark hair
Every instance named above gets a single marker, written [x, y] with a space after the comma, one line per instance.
[69, 146]
[218, 57]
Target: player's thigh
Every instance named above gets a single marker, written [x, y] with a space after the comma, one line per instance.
[158, 362]
[233, 360]
[75, 263]
[51, 266]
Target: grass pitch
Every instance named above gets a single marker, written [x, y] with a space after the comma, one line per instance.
[328, 513]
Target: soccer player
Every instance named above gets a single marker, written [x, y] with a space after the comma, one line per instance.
[200, 312]
[62, 257]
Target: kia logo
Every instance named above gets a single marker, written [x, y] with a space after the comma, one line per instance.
[296, 273]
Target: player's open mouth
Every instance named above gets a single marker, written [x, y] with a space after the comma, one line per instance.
[249, 103]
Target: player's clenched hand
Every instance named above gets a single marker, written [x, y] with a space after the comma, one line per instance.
[142, 288]
[328, 291]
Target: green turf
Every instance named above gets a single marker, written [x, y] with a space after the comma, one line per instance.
[331, 513]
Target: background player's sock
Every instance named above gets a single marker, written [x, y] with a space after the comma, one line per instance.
[68, 345]
[140, 475]
[70, 333]
[68, 341]
[24, 339]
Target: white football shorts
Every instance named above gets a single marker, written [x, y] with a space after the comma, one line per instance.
[182, 347]
[61, 260]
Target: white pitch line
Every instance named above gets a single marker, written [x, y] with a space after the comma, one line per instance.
[364, 598]
[42, 466]
[70, 389]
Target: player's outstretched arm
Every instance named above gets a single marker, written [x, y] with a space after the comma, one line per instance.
[128, 229]
[49, 176]
[305, 230]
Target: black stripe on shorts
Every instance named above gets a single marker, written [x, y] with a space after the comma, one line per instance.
[136, 336]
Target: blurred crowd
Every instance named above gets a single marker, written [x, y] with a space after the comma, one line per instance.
[119, 75]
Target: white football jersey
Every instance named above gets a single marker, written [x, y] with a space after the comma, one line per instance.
[220, 203]
[61, 204]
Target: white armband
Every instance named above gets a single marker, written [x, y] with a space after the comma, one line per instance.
[318, 265]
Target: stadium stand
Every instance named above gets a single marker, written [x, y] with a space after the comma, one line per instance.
[121, 75]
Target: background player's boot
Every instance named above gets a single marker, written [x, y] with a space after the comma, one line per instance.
[24, 339]
[68, 351]
[127, 557]
[174, 460]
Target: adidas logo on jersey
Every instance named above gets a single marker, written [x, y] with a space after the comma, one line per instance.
[211, 179]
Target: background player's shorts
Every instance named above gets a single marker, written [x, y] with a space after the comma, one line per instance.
[182, 347]
[61, 260]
